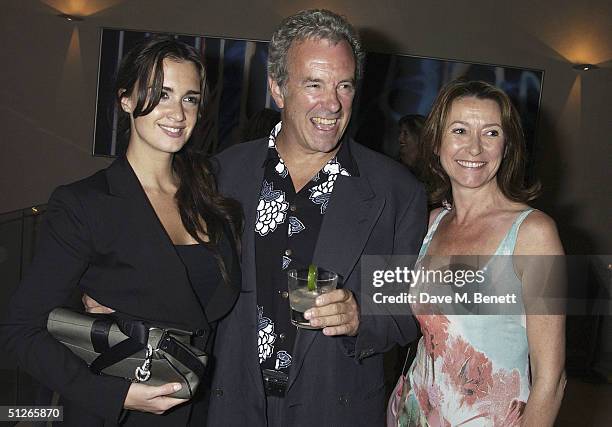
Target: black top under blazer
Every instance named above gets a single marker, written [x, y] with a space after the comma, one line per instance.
[102, 235]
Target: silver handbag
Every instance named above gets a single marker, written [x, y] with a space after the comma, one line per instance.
[132, 349]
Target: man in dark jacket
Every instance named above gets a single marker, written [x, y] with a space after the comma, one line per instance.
[312, 196]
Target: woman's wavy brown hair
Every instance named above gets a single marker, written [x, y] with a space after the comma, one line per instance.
[511, 174]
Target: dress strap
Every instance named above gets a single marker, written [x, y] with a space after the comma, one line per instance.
[506, 247]
[431, 232]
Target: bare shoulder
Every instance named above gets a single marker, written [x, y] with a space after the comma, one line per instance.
[538, 235]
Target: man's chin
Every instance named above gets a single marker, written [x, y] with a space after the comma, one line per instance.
[326, 144]
[326, 147]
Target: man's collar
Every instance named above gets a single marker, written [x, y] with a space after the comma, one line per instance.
[272, 153]
[343, 156]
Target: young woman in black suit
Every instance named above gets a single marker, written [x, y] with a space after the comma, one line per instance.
[149, 236]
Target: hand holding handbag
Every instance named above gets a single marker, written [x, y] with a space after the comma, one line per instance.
[132, 349]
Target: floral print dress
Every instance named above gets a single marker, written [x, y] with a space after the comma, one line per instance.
[471, 370]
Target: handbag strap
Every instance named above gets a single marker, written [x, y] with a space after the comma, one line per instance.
[406, 361]
[183, 354]
[99, 334]
[138, 337]
[410, 353]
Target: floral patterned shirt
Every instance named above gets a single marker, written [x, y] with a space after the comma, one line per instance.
[286, 231]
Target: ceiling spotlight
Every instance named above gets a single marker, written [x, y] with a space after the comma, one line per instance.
[584, 67]
[70, 18]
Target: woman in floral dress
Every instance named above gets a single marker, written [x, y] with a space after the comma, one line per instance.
[499, 367]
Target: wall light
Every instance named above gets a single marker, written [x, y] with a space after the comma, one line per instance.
[584, 67]
[70, 18]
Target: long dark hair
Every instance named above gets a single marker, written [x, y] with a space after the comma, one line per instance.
[511, 173]
[197, 197]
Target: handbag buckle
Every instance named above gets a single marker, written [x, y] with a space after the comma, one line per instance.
[143, 373]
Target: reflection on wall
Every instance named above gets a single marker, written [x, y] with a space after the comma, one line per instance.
[393, 86]
[397, 85]
[236, 82]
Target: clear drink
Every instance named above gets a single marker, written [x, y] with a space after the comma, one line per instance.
[301, 298]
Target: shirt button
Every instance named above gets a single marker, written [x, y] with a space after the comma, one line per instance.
[284, 294]
[282, 336]
[288, 252]
[293, 208]
[218, 392]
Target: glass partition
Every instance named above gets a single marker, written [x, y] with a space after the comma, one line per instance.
[18, 236]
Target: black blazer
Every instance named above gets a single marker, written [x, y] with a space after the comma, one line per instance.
[102, 235]
[333, 381]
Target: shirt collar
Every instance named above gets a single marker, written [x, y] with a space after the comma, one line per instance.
[343, 156]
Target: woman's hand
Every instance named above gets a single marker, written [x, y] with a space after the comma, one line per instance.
[141, 397]
[93, 306]
[146, 398]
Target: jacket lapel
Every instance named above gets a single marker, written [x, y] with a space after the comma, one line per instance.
[249, 193]
[353, 211]
[141, 216]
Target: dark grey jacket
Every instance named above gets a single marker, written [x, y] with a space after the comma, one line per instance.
[334, 381]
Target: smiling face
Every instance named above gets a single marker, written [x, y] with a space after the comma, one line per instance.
[472, 143]
[317, 98]
[168, 127]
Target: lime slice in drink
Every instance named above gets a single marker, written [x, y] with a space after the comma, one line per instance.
[312, 277]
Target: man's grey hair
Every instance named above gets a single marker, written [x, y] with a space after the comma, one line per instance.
[314, 24]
